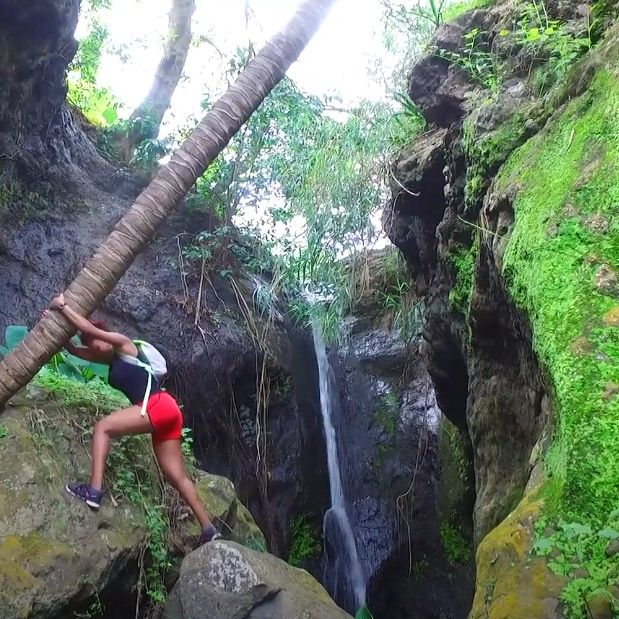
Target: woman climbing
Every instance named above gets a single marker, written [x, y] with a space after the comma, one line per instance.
[164, 420]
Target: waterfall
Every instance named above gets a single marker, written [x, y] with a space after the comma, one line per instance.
[345, 578]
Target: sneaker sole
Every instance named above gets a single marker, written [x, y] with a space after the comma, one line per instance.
[87, 501]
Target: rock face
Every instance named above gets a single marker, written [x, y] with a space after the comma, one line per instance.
[223, 579]
[496, 195]
[56, 555]
[387, 410]
[38, 135]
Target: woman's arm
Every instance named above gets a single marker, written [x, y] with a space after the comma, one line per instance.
[83, 352]
[120, 342]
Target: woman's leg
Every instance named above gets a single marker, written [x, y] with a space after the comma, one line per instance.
[119, 423]
[172, 463]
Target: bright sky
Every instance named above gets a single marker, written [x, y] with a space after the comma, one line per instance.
[335, 62]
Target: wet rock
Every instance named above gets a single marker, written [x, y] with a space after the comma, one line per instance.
[600, 606]
[223, 579]
[387, 410]
[613, 548]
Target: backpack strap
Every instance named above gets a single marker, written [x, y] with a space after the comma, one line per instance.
[149, 371]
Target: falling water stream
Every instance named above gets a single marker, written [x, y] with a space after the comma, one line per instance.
[345, 576]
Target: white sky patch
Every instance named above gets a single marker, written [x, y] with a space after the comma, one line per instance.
[335, 63]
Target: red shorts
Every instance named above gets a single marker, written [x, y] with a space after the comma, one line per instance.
[165, 417]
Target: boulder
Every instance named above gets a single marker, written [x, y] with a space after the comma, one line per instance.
[58, 557]
[55, 553]
[230, 515]
[225, 580]
[510, 581]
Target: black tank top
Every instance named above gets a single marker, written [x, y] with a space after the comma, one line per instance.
[131, 379]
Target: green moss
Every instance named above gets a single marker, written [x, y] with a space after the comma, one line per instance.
[94, 395]
[455, 474]
[21, 202]
[463, 263]
[509, 582]
[455, 9]
[385, 418]
[457, 548]
[387, 413]
[487, 151]
[568, 174]
[305, 542]
[568, 182]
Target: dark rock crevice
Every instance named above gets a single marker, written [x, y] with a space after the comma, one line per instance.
[478, 346]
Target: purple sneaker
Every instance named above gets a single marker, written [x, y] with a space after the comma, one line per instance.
[209, 534]
[87, 493]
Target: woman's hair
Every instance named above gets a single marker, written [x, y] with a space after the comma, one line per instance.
[100, 324]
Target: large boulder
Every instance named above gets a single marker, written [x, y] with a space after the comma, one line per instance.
[55, 553]
[225, 580]
[58, 557]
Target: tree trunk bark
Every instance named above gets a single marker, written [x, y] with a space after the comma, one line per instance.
[148, 115]
[158, 200]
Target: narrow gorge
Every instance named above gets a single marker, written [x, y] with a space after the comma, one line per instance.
[451, 452]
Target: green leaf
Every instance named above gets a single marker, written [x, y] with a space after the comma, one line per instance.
[608, 533]
[71, 372]
[110, 115]
[533, 34]
[3, 432]
[573, 529]
[504, 32]
[14, 335]
[543, 545]
[364, 613]
[99, 369]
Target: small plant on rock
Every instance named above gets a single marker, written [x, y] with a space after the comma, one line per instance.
[548, 42]
[482, 66]
[306, 543]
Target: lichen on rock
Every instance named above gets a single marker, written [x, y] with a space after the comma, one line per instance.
[223, 579]
[57, 556]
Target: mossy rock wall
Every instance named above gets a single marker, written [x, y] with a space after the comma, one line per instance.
[58, 557]
[559, 260]
[55, 553]
[520, 279]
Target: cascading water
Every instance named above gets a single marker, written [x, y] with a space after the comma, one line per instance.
[343, 574]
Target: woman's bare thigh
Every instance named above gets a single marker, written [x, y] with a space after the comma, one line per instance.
[126, 421]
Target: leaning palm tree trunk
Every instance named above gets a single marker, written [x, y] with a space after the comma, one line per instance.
[158, 200]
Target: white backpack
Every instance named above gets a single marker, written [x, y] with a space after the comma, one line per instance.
[153, 362]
